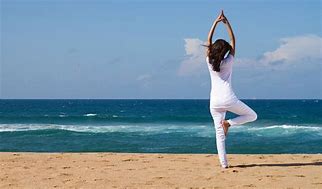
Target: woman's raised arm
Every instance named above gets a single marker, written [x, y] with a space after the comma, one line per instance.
[231, 35]
[213, 27]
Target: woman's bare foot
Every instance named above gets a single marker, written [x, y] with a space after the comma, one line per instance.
[225, 124]
[224, 166]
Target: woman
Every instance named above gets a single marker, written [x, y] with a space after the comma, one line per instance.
[222, 96]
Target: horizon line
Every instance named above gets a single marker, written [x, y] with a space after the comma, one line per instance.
[154, 99]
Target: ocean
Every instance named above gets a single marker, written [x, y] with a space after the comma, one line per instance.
[156, 126]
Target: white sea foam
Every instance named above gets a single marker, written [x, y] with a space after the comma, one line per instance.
[279, 130]
[202, 130]
[90, 115]
[289, 127]
[146, 128]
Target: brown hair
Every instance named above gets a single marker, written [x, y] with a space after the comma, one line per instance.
[216, 53]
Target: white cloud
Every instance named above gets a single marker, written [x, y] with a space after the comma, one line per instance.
[246, 62]
[292, 50]
[143, 77]
[145, 80]
[195, 57]
[295, 49]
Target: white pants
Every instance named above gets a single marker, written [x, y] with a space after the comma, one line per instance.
[246, 114]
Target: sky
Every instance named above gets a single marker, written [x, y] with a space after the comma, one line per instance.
[136, 49]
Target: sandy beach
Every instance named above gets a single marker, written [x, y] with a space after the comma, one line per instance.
[146, 170]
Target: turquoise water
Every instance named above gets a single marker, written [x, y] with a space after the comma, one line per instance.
[162, 126]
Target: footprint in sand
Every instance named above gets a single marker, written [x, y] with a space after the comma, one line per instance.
[249, 185]
[209, 178]
[160, 177]
[130, 159]
[67, 180]
[280, 176]
[65, 174]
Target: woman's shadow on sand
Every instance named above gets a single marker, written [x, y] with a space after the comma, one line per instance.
[278, 165]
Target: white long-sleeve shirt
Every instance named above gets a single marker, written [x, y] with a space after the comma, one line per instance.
[222, 94]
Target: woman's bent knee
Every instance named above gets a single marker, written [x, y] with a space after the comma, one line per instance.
[253, 116]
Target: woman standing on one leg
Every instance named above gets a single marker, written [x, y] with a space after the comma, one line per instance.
[222, 96]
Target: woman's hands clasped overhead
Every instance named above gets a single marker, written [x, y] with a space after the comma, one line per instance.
[221, 17]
